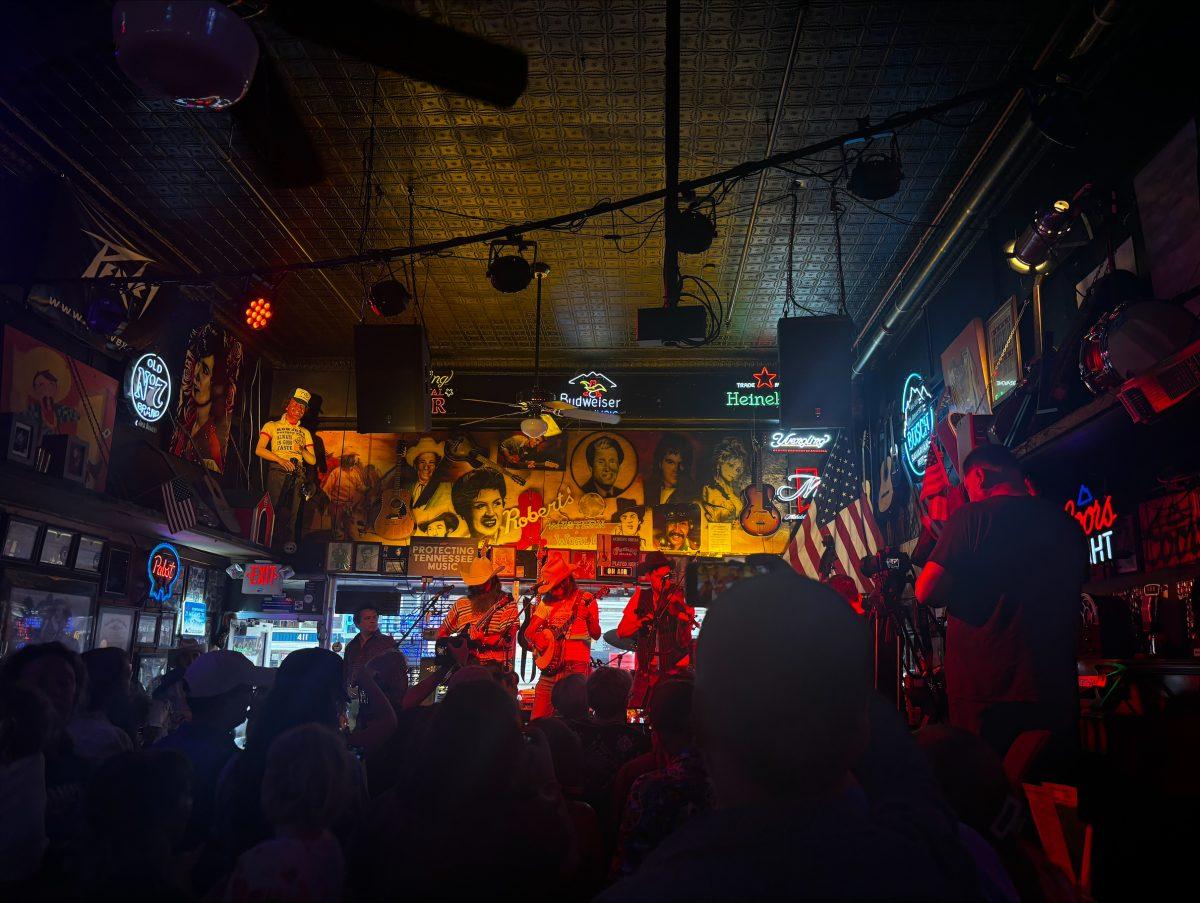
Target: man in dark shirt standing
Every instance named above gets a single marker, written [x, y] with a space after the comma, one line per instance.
[1009, 568]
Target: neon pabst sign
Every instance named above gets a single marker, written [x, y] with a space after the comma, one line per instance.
[1096, 518]
[592, 390]
[163, 568]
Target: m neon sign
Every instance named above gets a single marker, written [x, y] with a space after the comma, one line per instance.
[1096, 518]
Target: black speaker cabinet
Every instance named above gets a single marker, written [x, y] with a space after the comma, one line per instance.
[814, 371]
[390, 372]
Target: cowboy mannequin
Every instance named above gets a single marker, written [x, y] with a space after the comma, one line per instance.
[488, 613]
[286, 444]
[661, 619]
[563, 608]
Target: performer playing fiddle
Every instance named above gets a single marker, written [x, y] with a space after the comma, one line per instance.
[661, 620]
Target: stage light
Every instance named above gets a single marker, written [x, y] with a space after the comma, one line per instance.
[235, 571]
[877, 176]
[534, 427]
[509, 273]
[389, 298]
[1031, 251]
[694, 232]
[258, 312]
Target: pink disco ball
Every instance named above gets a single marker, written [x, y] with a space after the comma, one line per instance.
[196, 53]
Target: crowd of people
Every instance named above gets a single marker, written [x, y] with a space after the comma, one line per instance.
[755, 777]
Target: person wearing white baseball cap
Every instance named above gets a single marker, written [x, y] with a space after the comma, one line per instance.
[220, 684]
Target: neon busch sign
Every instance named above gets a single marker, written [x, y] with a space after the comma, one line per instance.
[595, 390]
[1096, 518]
[917, 405]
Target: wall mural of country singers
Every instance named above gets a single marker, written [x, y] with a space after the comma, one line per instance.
[207, 391]
[664, 487]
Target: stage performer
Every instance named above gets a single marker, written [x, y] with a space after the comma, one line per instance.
[566, 618]
[487, 613]
[661, 620]
[1009, 568]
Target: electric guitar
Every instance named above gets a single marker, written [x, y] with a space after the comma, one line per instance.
[549, 659]
[759, 515]
[482, 622]
[395, 521]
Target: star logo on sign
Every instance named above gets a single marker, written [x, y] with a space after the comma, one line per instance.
[765, 379]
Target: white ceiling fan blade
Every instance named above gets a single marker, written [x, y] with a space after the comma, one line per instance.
[593, 416]
[506, 404]
[487, 419]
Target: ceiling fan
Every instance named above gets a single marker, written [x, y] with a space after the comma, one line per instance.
[537, 407]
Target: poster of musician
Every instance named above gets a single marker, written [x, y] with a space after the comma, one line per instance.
[677, 528]
[207, 390]
[393, 488]
[64, 397]
[520, 452]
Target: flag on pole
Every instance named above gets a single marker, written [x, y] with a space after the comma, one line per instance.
[844, 525]
[179, 504]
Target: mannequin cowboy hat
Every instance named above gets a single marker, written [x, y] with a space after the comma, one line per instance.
[423, 445]
[479, 571]
[553, 572]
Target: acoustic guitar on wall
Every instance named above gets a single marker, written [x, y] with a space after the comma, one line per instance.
[887, 472]
[395, 520]
[760, 516]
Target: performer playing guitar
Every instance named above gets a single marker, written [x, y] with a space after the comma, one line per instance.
[486, 613]
[561, 629]
[661, 620]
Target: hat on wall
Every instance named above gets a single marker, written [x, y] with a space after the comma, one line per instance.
[303, 396]
[625, 506]
[479, 571]
[423, 445]
[222, 670]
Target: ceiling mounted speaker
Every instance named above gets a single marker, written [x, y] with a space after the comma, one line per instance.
[196, 53]
[389, 298]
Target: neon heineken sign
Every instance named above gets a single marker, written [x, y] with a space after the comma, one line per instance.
[750, 393]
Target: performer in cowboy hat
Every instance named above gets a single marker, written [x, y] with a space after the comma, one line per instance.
[565, 614]
[661, 619]
[487, 613]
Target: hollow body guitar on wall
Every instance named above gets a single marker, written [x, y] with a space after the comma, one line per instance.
[461, 448]
[760, 516]
[887, 471]
[395, 521]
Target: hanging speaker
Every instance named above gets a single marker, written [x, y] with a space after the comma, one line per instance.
[390, 370]
[814, 371]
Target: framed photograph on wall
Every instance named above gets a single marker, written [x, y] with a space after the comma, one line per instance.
[166, 629]
[114, 628]
[366, 557]
[147, 628]
[42, 609]
[1004, 350]
[56, 547]
[339, 557]
[20, 538]
[116, 571]
[89, 553]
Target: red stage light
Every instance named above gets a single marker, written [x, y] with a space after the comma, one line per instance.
[258, 313]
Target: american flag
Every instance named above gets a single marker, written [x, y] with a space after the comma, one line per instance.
[179, 505]
[843, 521]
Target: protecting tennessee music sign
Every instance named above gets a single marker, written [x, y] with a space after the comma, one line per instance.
[148, 387]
